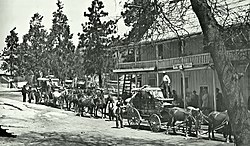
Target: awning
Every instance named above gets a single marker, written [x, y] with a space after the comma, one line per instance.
[134, 70]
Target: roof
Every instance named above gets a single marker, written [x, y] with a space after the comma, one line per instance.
[187, 22]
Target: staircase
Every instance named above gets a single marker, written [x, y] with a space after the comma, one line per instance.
[127, 86]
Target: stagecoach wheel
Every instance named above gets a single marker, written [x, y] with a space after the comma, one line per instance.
[134, 118]
[155, 123]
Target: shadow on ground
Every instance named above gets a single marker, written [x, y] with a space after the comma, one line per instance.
[88, 139]
[66, 139]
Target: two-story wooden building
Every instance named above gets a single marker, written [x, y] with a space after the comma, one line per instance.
[184, 61]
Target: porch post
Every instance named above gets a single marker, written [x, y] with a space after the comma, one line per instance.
[214, 89]
[136, 80]
[135, 53]
[157, 79]
[184, 88]
[157, 62]
[118, 86]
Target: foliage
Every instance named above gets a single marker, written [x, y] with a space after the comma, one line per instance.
[225, 25]
[33, 48]
[140, 14]
[95, 38]
[61, 49]
[10, 53]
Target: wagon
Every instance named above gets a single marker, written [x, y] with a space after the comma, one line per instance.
[147, 104]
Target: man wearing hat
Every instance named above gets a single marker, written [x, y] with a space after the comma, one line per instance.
[118, 113]
[219, 101]
[194, 100]
[166, 85]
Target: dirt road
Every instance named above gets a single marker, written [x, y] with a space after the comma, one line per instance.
[42, 125]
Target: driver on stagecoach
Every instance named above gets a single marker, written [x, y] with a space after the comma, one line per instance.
[166, 85]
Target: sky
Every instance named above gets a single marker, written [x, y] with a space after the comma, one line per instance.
[17, 13]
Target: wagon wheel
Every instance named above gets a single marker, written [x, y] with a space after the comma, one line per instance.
[155, 123]
[134, 118]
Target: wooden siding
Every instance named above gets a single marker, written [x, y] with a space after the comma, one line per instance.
[148, 52]
[196, 79]
[193, 45]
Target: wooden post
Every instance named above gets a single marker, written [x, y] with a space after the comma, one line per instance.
[184, 87]
[135, 50]
[118, 86]
[136, 80]
[157, 62]
[214, 89]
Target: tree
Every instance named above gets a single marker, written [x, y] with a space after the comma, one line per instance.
[61, 48]
[95, 39]
[33, 48]
[217, 22]
[10, 54]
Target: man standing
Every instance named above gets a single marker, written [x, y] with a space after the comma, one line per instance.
[194, 100]
[205, 100]
[166, 85]
[118, 113]
[24, 91]
[219, 101]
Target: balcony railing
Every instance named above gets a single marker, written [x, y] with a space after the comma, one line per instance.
[139, 64]
[198, 59]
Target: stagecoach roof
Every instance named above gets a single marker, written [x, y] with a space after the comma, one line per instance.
[42, 79]
[68, 80]
[81, 82]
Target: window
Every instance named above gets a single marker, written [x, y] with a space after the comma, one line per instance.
[160, 51]
[152, 82]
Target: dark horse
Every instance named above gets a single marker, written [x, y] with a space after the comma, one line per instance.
[100, 103]
[85, 104]
[219, 120]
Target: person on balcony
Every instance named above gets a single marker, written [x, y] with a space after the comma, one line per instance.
[166, 85]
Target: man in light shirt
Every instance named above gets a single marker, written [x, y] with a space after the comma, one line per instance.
[166, 85]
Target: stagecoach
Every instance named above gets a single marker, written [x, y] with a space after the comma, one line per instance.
[147, 104]
[43, 87]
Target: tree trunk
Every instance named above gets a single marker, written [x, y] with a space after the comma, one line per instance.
[228, 77]
[100, 79]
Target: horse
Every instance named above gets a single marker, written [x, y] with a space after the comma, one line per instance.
[85, 101]
[38, 96]
[111, 108]
[100, 103]
[71, 98]
[218, 120]
[62, 98]
[184, 116]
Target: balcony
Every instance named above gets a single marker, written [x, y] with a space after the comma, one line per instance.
[196, 60]
[200, 59]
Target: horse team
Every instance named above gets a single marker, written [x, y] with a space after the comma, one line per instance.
[81, 101]
[93, 101]
[216, 121]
